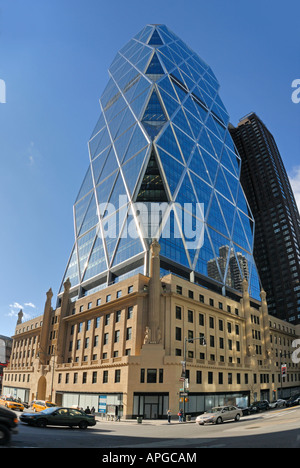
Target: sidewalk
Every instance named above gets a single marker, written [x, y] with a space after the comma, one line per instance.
[152, 422]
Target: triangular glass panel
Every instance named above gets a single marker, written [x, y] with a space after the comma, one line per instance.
[137, 142]
[169, 66]
[111, 165]
[128, 247]
[239, 236]
[85, 244]
[204, 263]
[121, 144]
[217, 144]
[97, 262]
[137, 105]
[100, 124]
[203, 191]
[154, 117]
[205, 142]
[167, 142]
[155, 39]
[166, 85]
[87, 185]
[238, 268]
[186, 192]
[228, 211]
[91, 218]
[80, 210]
[195, 125]
[132, 169]
[221, 248]
[197, 165]
[190, 219]
[154, 67]
[170, 104]
[99, 143]
[222, 186]
[118, 195]
[211, 164]
[180, 120]
[215, 218]
[242, 202]
[103, 191]
[172, 169]
[72, 270]
[154, 110]
[233, 184]
[171, 242]
[152, 188]
[185, 143]
[248, 226]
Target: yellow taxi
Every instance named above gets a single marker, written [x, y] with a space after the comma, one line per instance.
[40, 405]
[11, 403]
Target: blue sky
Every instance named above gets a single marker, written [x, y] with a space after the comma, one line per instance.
[54, 57]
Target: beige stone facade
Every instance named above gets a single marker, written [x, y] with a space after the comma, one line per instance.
[122, 349]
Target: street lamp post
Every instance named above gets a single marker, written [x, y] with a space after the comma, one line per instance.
[186, 341]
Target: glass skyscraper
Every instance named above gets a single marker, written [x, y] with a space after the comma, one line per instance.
[162, 165]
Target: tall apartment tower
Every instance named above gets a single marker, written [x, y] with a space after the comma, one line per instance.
[272, 202]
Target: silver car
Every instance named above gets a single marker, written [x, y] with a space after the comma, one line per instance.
[220, 414]
[278, 403]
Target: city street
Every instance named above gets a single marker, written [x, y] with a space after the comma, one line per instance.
[277, 428]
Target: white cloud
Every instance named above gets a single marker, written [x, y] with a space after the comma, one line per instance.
[15, 308]
[295, 183]
[29, 304]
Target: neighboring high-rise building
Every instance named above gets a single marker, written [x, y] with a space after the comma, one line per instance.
[162, 137]
[272, 202]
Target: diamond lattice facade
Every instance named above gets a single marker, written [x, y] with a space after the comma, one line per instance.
[162, 138]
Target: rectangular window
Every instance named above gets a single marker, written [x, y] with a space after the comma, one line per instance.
[129, 313]
[190, 316]
[94, 377]
[178, 334]
[128, 333]
[105, 376]
[151, 375]
[118, 316]
[117, 376]
[178, 313]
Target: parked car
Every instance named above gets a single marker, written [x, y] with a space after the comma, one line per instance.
[278, 403]
[245, 410]
[259, 406]
[8, 425]
[219, 415]
[293, 401]
[40, 405]
[59, 416]
[11, 403]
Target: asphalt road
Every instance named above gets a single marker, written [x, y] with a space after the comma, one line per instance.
[276, 428]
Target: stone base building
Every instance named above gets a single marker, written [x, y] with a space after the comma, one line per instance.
[134, 347]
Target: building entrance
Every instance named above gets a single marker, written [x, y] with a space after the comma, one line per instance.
[150, 405]
[151, 411]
